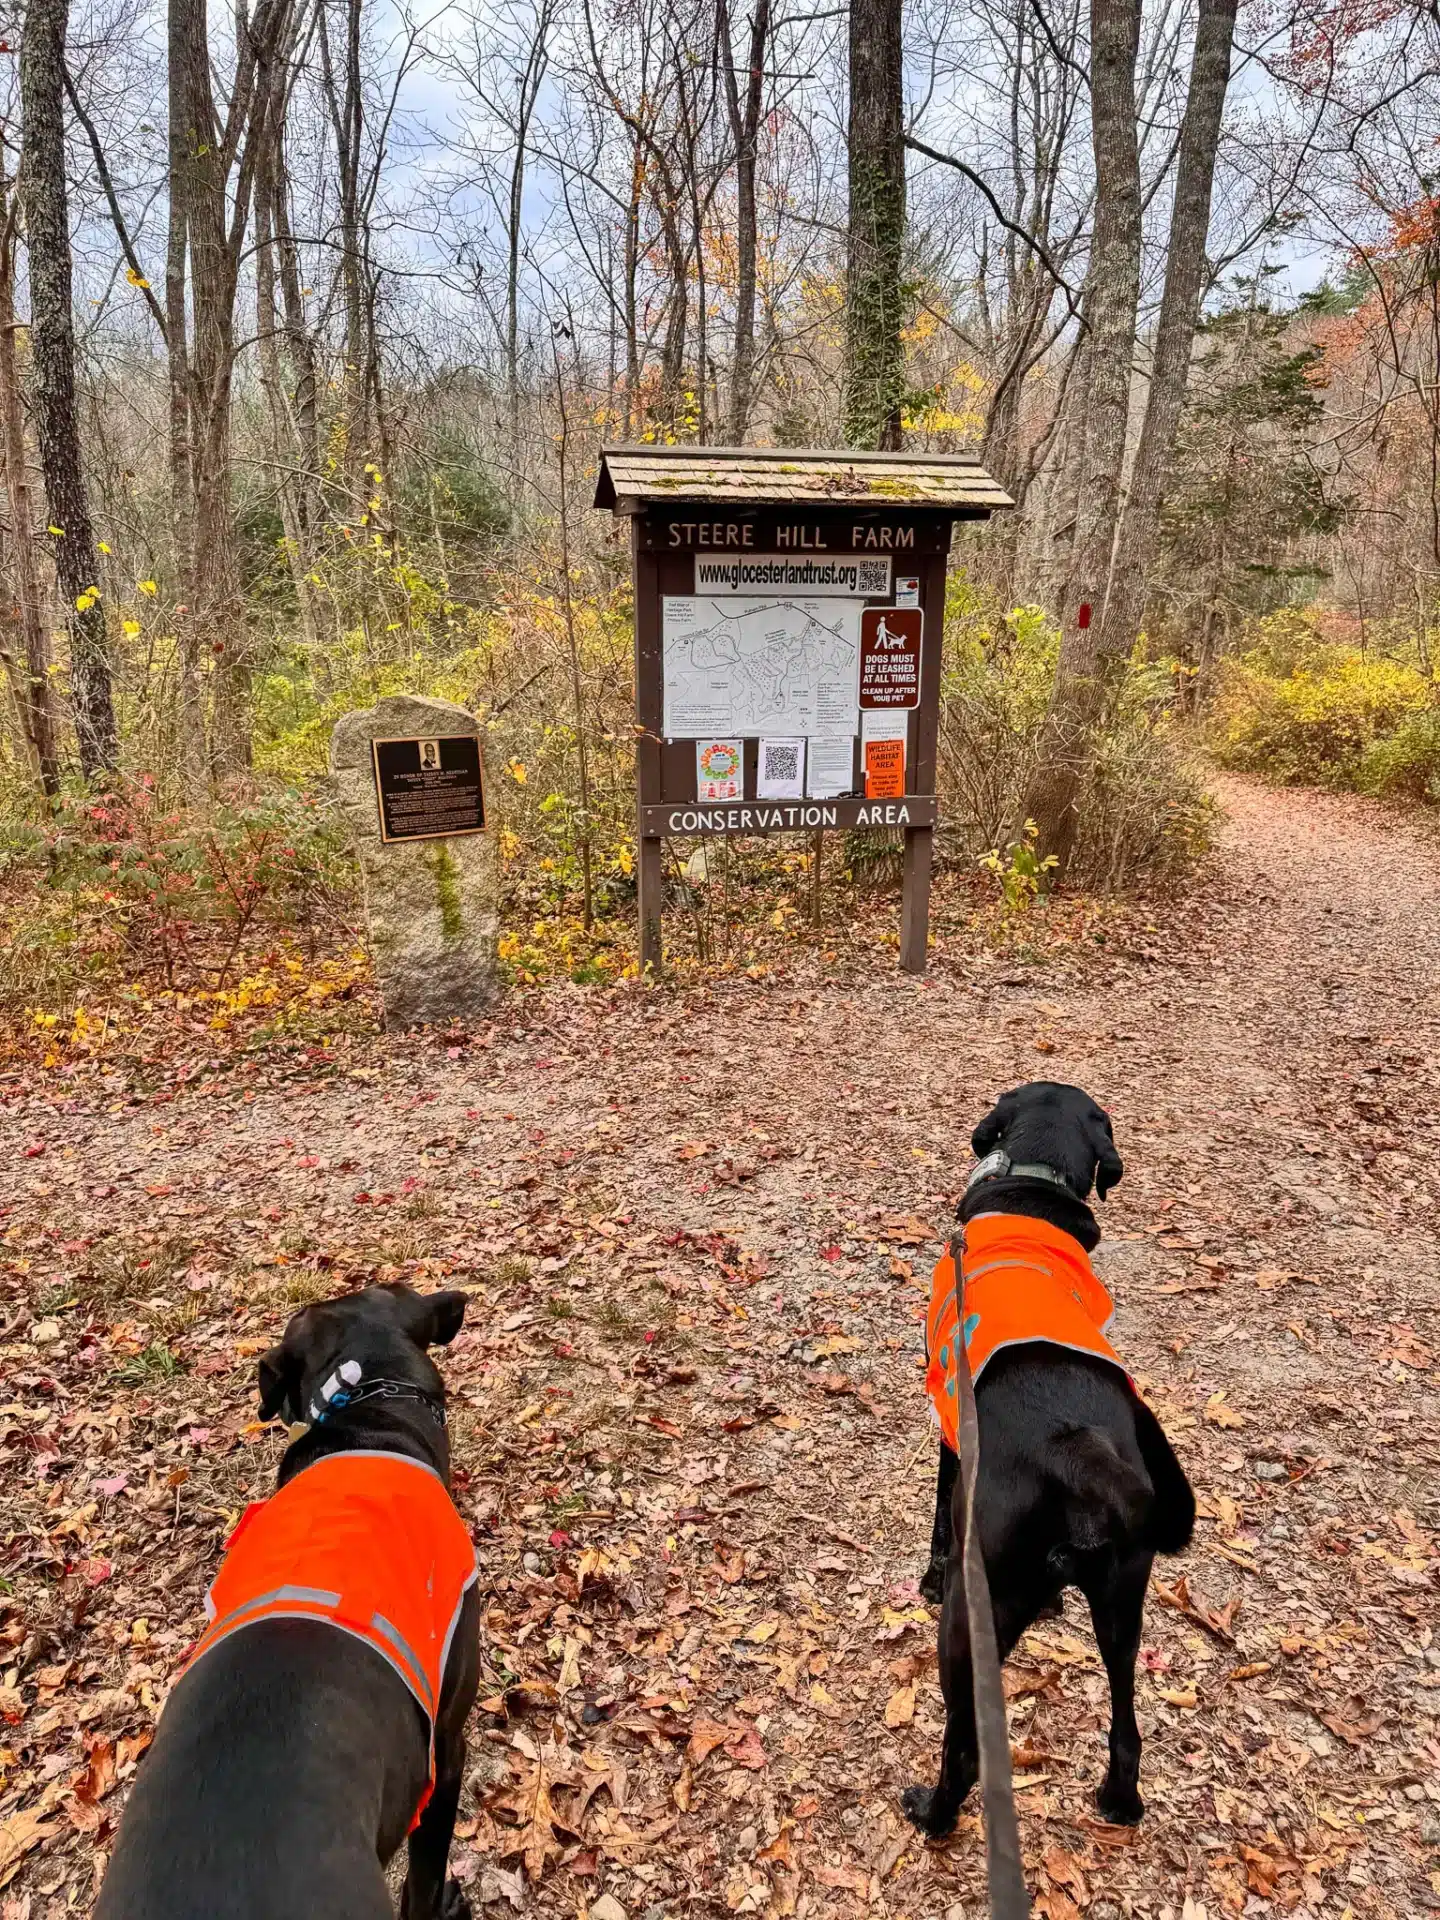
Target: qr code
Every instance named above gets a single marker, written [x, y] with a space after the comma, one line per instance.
[782, 763]
[874, 577]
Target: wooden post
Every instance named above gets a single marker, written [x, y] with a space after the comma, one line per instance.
[650, 699]
[920, 775]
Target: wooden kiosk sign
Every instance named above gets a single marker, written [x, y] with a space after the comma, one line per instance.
[788, 616]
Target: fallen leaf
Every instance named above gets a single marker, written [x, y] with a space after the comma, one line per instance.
[900, 1707]
[1178, 1597]
[853, 1879]
[1221, 1415]
[99, 1775]
[19, 1832]
[705, 1737]
[1354, 1732]
[1064, 1869]
[748, 1750]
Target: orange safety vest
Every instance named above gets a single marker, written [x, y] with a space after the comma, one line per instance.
[370, 1543]
[1024, 1280]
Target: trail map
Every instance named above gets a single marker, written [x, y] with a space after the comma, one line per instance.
[753, 667]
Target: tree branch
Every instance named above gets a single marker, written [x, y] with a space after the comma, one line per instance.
[1035, 245]
[141, 279]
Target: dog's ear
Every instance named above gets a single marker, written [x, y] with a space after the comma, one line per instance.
[433, 1319]
[987, 1136]
[1109, 1167]
[279, 1382]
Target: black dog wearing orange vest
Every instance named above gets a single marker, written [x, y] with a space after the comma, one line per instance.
[1078, 1485]
[321, 1718]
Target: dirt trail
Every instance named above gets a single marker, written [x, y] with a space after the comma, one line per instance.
[689, 1414]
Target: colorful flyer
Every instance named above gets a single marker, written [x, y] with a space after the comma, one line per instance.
[719, 770]
[884, 769]
[781, 772]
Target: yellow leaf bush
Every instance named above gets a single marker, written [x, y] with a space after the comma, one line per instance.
[1302, 711]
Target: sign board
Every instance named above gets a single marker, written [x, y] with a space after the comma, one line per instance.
[884, 769]
[790, 816]
[780, 678]
[890, 656]
[429, 789]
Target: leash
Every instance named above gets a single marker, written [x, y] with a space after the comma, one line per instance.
[1004, 1872]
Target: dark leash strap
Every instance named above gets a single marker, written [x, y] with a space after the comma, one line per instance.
[1003, 1869]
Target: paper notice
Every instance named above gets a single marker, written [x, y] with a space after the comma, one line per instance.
[830, 768]
[719, 769]
[781, 773]
[698, 701]
[884, 769]
[907, 590]
[885, 724]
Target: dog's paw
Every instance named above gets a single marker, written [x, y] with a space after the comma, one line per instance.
[932, 1583]
[454, 1902]
[1121, 1806]
[922, 1809]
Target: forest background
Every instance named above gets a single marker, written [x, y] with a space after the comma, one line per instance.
[314, 317]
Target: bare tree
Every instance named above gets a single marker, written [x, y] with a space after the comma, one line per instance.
[744, 111]
[1112, 296]
[37, 704]
[213, 164]
[52, 336]
[1135, 539]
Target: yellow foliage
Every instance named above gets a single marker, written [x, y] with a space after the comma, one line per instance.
[1297, 709]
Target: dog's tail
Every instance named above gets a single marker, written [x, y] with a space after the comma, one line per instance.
[1108, 1500]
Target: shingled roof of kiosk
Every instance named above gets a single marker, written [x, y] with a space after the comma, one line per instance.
[632, 478]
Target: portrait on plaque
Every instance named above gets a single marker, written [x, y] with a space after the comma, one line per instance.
[429, 789]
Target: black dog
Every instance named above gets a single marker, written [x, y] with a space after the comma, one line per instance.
[291, 1757]
[1078, 1485]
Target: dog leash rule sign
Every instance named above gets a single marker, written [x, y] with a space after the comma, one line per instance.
[890, 657]
[429, 789]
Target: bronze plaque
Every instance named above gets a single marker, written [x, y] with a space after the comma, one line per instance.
[890, 657]
[429, 789]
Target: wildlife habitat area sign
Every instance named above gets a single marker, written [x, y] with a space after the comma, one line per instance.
[429, 789]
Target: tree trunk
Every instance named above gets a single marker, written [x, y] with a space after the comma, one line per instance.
[52, 339]
[347, 117]
[1175, 331]
[1063, 504]
[289, 485]
[532, 78]
[1112, 296]
[194, 757]
[37, 704]
[744, 130]
[632, 298]
[874, 358]
[299, 349]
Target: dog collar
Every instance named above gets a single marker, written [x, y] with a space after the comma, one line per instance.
[347, 1387]
[999, 1166]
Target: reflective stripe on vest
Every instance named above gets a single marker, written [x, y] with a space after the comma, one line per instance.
[1024, 1281]
[366, 1542]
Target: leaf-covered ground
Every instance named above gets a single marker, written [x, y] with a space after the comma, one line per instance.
[689, 1420]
